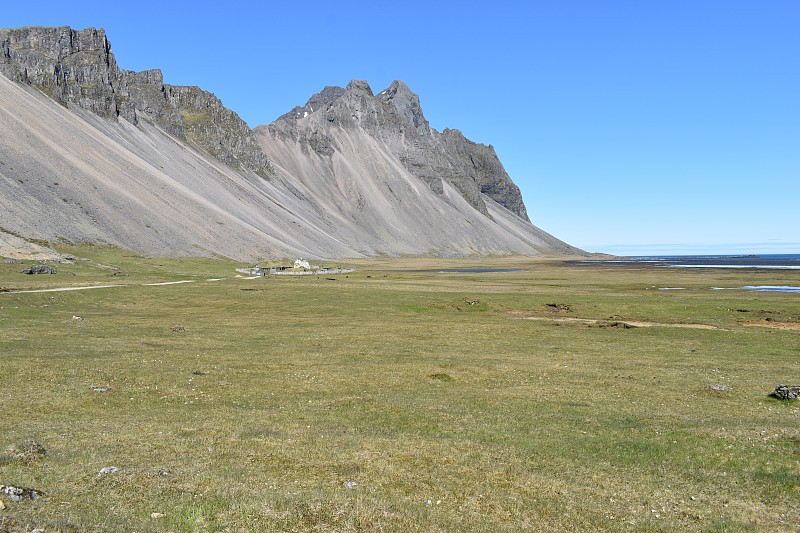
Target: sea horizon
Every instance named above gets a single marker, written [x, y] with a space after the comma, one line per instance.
[672, 250]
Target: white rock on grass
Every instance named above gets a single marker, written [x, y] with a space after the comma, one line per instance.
[107, 470]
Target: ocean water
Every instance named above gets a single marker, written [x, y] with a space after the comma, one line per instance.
[749, 261]
[760, 261]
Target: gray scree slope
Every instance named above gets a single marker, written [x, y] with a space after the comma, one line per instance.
[91, 152]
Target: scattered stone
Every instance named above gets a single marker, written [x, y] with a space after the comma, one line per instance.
[720, 387]
[39, 269]
[11, 261]
[99, 389]
[785, 392]
[350, 484]
[179, 329]
[2, 506]
[107, 470]
[157, 515]
[17, 494]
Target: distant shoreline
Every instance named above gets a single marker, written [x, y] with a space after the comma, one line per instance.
[760, 261]
[662, 250]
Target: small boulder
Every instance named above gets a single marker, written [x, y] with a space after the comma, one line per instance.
[107, 470]
[39, 269]
[785, 392]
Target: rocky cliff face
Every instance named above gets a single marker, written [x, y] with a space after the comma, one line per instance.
[77, 67]
[373, 159]
[394, 117]
[70, 66]
[88, 153]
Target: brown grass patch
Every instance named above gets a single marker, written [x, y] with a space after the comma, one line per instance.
[774, 324]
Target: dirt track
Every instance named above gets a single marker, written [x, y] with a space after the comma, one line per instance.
[617, 323]
[64, 289]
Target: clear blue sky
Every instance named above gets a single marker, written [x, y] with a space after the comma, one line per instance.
[625, 123]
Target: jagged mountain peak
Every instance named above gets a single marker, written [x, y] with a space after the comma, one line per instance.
[406, 102]
[355, 173]
[318, 102]
[395, 88]
[358, 101]
[394, 118]
[78, 68]
[359, 86]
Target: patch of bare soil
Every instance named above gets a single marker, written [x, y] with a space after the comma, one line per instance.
[774, 324]
[627, 324]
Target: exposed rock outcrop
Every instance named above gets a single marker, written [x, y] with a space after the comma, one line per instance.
[394, 117]
[39, 269]
[785, 392]
[70, 66]
[77, 67]
[88, 154]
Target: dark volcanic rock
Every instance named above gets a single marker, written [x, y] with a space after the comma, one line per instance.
[77, 67]
[70, 66]
[39, 269]
[784, 392]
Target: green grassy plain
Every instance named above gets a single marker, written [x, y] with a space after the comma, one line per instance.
[398, 401]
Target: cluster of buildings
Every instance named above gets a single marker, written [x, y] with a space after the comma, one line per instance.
[301, 267]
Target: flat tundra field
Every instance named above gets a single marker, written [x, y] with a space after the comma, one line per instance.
[562, 398]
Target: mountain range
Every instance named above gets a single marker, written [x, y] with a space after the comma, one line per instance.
[90, 152]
